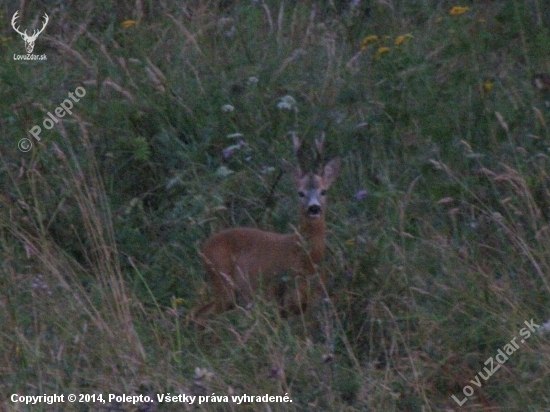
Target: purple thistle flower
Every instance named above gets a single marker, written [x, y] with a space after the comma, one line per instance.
[361, 194]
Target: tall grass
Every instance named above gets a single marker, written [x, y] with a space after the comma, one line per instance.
[438, 242]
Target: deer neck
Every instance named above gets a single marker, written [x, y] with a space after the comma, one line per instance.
[313, 232]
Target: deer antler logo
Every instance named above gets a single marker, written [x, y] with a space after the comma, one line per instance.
[29, 40]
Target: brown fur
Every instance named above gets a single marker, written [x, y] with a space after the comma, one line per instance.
[241, 262]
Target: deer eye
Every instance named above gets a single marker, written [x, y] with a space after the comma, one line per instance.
[301, 194]
[323, 192]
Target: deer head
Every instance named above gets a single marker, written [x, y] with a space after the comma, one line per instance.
[29, 40]
[312, 186]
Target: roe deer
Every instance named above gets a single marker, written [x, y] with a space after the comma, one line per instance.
[242, 261]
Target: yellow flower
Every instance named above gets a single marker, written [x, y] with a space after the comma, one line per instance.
[177, 302]
[128, 23]
[488, 86]
[456, 10]
[399, 40]
[381, 51]
[368, 40]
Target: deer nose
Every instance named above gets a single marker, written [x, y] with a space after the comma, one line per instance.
[314, 209]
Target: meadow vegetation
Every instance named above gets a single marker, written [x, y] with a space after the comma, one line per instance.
[439, 235]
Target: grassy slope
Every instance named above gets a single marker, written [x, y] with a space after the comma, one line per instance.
[432, 271]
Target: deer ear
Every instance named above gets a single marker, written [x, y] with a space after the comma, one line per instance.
[332, 170]
[295, 171]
